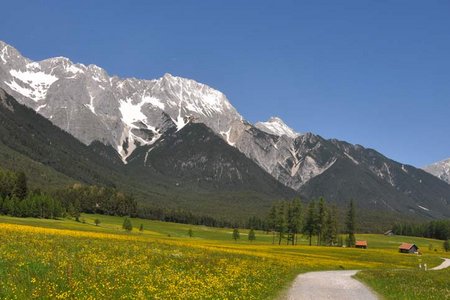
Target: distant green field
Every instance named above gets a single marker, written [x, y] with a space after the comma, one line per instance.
[67, 259]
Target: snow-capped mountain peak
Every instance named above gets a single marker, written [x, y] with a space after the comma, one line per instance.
[122, 112]
[276, 126]
[440, 169]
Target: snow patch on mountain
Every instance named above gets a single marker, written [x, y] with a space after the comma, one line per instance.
[132, 112]
[424, 208]
[3, 54]
[276, 126]
[91, 104]
[226, 134]
[33, 85]
[351, 158]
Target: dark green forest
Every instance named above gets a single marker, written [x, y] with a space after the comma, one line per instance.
[439, 229]
[16, 199]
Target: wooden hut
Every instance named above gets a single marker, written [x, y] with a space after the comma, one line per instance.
[408, 248]
[361, 244]
[389, 233]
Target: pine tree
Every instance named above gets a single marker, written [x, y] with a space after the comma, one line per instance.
[350, 225]
[280, 222]
[236, 234]
[141, 228]
[20, 187]
[251, 235]
[321, 218]
[290, 223]
[127, 224]
[310, 222]
[271, 221]
[330, 235]
[297, 218]
[190, 233]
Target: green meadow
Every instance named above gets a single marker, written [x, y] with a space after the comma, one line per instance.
[60, 259]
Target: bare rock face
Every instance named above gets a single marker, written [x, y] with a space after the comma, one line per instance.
[440, 169]
[127, 113]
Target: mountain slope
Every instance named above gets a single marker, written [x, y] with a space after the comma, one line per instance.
[440, 169]
[127, 113]
[377, 183]
[196, 155]
[27, 137]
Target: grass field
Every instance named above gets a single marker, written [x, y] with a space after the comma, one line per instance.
[408, 284]
[66, 259]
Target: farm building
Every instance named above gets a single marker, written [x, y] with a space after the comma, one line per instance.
[361, 244]
[389, 233]
[408, 248]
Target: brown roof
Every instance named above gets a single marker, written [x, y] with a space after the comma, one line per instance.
[406, 246]
[361, 243]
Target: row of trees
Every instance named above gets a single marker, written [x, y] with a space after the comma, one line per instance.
[95, 199]
[181, 216]
[434, 229]
[16, 200]
[251, 235]
[287, 220]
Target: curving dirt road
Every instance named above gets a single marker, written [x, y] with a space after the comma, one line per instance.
[334, 285]
[444, 264]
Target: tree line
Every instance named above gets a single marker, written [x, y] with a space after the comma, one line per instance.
[16, 199]
[182, 216]
[287, 220]
[434, 229]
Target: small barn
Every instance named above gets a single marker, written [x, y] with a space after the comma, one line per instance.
[389, 233]
[408, 248]
[361, 244]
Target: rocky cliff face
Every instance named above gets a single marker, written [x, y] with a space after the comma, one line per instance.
[128, 113]
[440, 169]
[125, 113]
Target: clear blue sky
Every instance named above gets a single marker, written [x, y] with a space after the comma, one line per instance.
[375, 73]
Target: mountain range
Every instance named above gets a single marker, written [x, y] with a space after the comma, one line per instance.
[185, 135]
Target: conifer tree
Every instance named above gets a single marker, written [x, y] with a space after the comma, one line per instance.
[271, 221]
[321, 218]
[350, 225]
[280, 223]
[251, 235]
[290, 223]
[331, 232]
[20, 187]
[297, 219]
[141, 228]
[190, 232]
[310, 222]
[236, 234]
[127, 224]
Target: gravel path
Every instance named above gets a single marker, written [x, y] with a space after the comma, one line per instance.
[334, 285]
[444, 265]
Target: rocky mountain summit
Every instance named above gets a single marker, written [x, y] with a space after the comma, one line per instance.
[440, 169]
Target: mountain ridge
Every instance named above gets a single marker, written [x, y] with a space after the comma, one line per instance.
[440, 169]
[133, 115]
